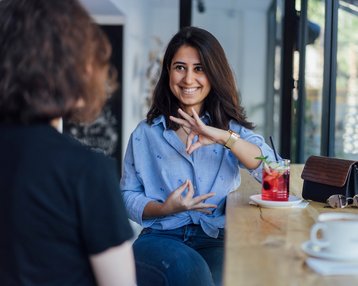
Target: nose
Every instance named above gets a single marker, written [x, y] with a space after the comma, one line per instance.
[189, 77]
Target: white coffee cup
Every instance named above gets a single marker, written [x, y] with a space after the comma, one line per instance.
[337, 216]
[337, 233]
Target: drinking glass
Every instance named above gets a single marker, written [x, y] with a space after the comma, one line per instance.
[276, 181]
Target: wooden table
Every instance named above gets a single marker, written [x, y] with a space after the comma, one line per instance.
[263, 245]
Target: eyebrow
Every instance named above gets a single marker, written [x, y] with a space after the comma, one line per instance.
[183, 63]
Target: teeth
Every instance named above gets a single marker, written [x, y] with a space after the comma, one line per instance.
[190, 90]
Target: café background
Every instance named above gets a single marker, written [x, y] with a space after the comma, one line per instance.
[295, 62]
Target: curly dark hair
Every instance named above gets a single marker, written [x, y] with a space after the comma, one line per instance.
[47, 48]
[223, 100]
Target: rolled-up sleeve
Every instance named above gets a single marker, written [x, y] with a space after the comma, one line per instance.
[134, 196]
[256, 139]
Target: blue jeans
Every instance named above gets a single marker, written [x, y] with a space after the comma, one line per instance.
[185, 256]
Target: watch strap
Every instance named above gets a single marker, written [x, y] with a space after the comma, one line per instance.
[232, 139]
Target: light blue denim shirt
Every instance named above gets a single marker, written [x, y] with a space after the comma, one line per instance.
[156, 164]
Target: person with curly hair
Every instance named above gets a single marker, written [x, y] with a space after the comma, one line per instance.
[62, 216]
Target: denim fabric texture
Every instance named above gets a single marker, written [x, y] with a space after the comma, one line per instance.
[185, 256]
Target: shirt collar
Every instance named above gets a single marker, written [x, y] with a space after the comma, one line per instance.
[160, 120]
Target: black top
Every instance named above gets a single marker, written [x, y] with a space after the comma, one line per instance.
[59, 203]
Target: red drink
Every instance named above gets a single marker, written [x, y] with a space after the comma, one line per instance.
[276, 181]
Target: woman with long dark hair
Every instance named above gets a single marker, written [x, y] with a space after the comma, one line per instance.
[182, 162]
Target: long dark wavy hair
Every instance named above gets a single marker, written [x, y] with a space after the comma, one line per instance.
[223, 100]
[46, 49]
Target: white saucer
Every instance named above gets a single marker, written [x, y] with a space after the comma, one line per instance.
[292, 200]
[313, 250]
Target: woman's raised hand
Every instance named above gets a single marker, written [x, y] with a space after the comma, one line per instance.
[206, 134]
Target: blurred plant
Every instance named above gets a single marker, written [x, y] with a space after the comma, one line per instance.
[101, 135]
[155, 60]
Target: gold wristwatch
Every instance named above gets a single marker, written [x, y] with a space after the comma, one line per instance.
[232, 139]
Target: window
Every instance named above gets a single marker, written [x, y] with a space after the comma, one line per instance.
[323, 84]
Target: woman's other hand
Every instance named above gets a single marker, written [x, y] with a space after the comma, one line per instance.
[177, 202]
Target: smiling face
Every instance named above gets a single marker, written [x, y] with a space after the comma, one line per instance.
[187, 79]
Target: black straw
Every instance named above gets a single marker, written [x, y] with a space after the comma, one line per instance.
[274, 149]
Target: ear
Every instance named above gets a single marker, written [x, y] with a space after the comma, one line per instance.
[89, 69]
[80, 103]
[57, 123]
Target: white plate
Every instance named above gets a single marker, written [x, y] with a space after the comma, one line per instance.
[292, 200]
[313, 250]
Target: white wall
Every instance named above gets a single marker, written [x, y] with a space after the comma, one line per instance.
[241, 28]
[145, 20]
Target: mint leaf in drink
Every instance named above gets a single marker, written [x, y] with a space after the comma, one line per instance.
[268, 164]
[263, 159]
